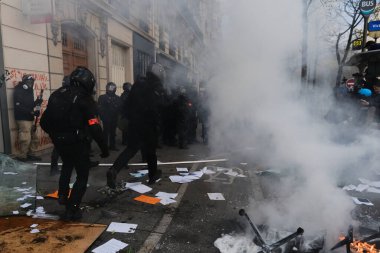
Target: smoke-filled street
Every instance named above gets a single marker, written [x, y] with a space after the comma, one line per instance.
[189, 126]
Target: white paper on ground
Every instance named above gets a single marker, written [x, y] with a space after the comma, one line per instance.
[112, 246]
[40, 197]
[122, 227]
[25, 205]
[34, 231]
[140, 188]
[362, 201]
[362, 187]
[197, 174]
[167, 201]
[182, 169]
[143, 171]
[350, 187]
[215, 196]
[166, 195]
[231, 173]
[34, 225]
[128, 185]
[15, 212]
[137, 174]
[180, 179]
[243, 163]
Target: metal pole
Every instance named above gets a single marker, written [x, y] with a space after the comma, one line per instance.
[365, 32]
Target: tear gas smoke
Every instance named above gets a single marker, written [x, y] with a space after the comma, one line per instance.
[257, 101]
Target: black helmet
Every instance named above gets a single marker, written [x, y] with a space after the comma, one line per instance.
[83, 77]
[157, 70]
[28, 80]
[127, 86]
[66, 81]
[111, 88]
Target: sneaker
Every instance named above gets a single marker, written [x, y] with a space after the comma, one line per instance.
[155, 177]
[34, 158]
[111, 179]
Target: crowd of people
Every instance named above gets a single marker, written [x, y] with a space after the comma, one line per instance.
[147, 114]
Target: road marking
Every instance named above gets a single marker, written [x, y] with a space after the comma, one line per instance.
[154, 237]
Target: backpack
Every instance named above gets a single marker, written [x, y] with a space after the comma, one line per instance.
[58, 116]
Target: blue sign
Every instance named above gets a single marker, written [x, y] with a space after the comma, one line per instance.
[374, 26]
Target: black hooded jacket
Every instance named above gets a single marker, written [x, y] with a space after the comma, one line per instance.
[23, 102]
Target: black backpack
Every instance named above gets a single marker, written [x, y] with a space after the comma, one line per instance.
[58, 116]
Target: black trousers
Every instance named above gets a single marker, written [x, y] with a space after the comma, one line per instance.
[142, 137]
[109, 132]
[54, 158]
[74, 156]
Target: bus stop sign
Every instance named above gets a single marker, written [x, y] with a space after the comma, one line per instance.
[367, 7]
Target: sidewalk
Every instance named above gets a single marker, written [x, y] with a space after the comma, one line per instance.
[101, 209]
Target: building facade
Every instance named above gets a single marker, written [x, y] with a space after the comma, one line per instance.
[115, 39]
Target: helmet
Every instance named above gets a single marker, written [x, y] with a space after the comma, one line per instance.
[66, 81]
[127, 86]
[111, 88]
[82, 77]
[27, 80]
[157, 70]
[365, 92]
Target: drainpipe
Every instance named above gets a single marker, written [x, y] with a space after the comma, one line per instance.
[3, 101]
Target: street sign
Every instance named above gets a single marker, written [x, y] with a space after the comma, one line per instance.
[374, 26]
[367, 7]
[350, 83]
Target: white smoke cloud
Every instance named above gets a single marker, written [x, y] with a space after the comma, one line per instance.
[258, 102]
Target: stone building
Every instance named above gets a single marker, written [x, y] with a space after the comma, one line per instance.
[115, 39]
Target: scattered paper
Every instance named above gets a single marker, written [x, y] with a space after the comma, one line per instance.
[180, 179]
[15, 212]
[34, 225]
[140, 188]
[128, 185]
[9, 173]
[24, 183]
[350, 187]
[40, 197]
[112, 246]
[166, 195]
[25, 205]
[117, 227]
[143, 171]
[167, 201]
[137, 174]
[34, 231]
[147, 199]
[243, 163]
[182, 170]
[231, 173]
[362, 201]
[362, 187]
[215, 196]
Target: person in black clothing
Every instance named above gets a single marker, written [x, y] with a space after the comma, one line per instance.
[123, 117]
[109, 108]
[24, 112]
[70, 117]
[144, 105]
[182, 105]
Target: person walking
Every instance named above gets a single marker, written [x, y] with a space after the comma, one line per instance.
[70, 117]
[144, 105]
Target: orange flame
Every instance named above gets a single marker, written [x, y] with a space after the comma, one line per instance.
[361, 247]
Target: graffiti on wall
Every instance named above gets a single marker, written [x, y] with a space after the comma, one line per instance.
[12, 78]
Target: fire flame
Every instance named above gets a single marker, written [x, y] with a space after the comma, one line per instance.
[361, 247]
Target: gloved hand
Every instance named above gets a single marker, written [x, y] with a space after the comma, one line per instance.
[38, 101]
[105, 153]
[36, 113]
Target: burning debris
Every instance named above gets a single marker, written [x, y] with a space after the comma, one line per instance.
[357, 246]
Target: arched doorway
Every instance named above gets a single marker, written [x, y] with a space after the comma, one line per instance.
[74, 48]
